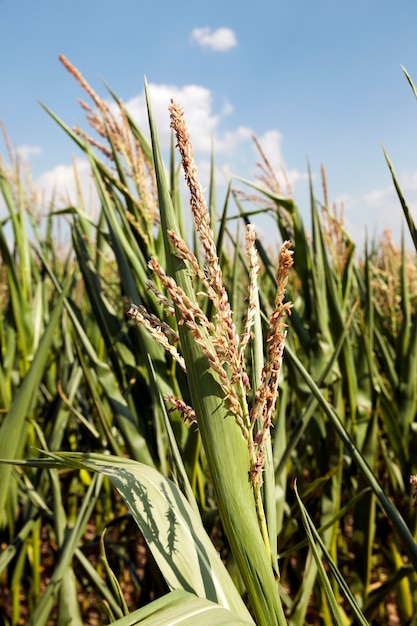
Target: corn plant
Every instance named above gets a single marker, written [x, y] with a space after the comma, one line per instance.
[156, 364]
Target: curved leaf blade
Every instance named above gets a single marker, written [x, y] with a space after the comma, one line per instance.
[172, 530]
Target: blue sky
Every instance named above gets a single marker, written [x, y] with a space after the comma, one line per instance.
[313, 80]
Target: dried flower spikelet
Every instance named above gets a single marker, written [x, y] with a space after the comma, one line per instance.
[159, 331]
[84, 84]
[145, 180]
[256, 468]
[184, 253]
[202, 220]
[93, 142]
[276, 333]
[106, 123]
[137, 226]
[202, 331]
[267, 392]
[161, 299]
[267, 175]
[285, 262]
[188, 311]
[253, 290]
[413, 482]
[187, 412]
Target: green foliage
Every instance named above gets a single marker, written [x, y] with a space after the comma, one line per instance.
[77, 375]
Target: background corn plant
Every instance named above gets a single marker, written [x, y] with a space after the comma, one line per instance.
[77, 375]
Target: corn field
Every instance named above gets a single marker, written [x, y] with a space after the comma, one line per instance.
[195, 428]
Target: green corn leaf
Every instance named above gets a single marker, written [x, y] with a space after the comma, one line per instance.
[389, 508]
[225, 448]
[136, 131]
[180, 607]
[406, 353]
[410, 81]
[407, 213]
[98, 583]
[41, 613]
[13, 428]
[318, 550]
[177, 460]
[111, 577]
[102, 371]
[171, 528]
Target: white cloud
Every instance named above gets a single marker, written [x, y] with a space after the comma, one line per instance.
[202, 121]
[204, 125]
[61, 182]
[195, 99]
[409, 180]
[380, 209]
[220, 40]
[228, 108]
[233, 146]
[229, 141]
[377, 198]
[25, 152]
